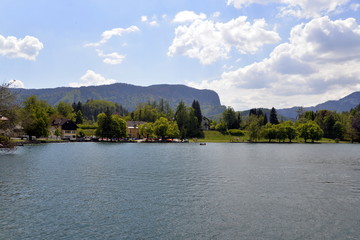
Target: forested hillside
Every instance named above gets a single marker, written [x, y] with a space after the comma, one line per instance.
[129, 96]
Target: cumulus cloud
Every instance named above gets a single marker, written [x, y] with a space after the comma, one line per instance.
[111, 58]
[299, 8]
[107, 35]
[188, 16]
[209, 41]
[27, 48]
[320, 62]
[90, 78]
[16, 84]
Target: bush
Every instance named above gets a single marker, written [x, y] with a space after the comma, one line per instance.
[85, 126]
[236, 132]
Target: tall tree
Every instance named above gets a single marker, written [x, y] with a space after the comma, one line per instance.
[110, 126]
[35, 119]
[197, 112]
[230, 119]
[181, 117]
[273, 117]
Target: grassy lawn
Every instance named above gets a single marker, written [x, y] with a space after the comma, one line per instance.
[216, 136]
[88, 132]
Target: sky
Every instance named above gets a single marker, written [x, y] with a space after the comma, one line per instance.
[253, 53]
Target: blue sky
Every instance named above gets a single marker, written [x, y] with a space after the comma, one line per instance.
[254, 53]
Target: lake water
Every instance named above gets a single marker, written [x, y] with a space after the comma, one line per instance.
[180, 191]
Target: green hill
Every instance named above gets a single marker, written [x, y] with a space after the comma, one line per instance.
[129, 95]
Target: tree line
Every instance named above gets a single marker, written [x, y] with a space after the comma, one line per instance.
[108, 118]
[309, 125]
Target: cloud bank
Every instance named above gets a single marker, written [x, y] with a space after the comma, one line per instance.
[27, 48]
[320, 61]
[209, 41]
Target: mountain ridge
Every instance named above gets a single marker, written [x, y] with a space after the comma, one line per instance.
[128, 95]
[342, 105]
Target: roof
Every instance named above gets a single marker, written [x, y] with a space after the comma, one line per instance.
[134, 124]
[59, 122]
[66, 124]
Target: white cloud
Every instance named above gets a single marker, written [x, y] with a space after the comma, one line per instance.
[111, 58]
[188, 16]
[144, 18]
[27, 48]
[320, 62]
[216, 14]
[153, 22]
[107, 35]
[209, 41]
[298, 8]
[90, 78]
[16, 84]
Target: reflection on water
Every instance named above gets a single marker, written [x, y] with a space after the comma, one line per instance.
[180, 191]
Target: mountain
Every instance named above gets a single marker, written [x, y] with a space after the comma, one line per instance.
[129, 96]
[341, 105]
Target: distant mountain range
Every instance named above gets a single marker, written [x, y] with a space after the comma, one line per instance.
[341, 105]
[129, 95]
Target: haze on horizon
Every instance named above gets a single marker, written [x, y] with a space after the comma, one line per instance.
[252, 53]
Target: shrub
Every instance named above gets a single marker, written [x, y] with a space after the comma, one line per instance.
[236, 132]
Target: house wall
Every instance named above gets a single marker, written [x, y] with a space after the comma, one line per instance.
[68, 134]
[133, 132]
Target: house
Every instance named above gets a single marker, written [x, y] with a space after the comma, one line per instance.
[205, 123]
[132, 128]
[63, 129]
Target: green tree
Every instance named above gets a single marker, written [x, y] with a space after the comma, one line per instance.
[79, 119]
[281, 132]
[173, 130]
[181, 117]
[254, 127]
[273, 116]
[110, 126]
[197, 112]
[35, 119]
[355, 127]
[65, 109]
[230, 118]
[269, 131]
[8, 109]
[147, 130]
[310, 130]
[161, 127]
[119, 126]
[290, 130]
[221, 126]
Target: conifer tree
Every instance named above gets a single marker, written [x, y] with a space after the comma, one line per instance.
[273, 117]
[197, 111]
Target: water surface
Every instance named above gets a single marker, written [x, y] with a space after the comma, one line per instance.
[180, 191]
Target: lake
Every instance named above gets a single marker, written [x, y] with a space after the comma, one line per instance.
[180, 191]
